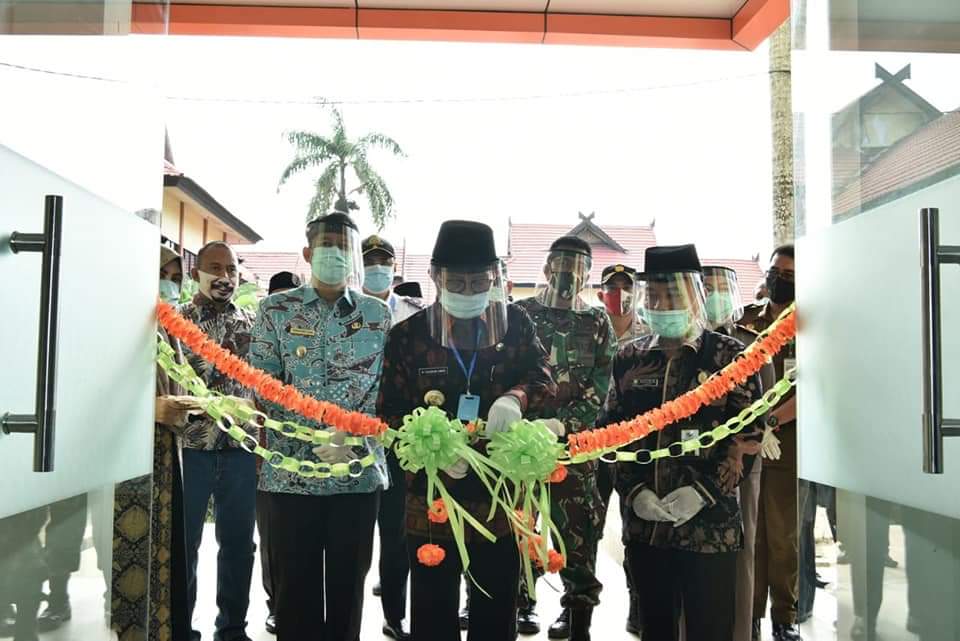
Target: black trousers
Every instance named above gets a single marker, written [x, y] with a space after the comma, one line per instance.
[394, 563]
[671, 582]
[263, 529]
[64, 540]
[320, 552]
[436, 591]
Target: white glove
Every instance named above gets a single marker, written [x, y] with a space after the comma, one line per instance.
[504, 412]
[684, 503]
[458, 470]
[648, 507]
[555, 425]
[770, 445]
[334, 451]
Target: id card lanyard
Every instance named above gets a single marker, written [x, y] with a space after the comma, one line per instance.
[469, 407]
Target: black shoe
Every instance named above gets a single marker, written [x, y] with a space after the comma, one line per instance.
[465, 617]
[377, 590]
[272, 624]
[527, 620]
[53, 617]
[755, 630]
[784, 632]
[561, 627]
[889, 562]
[395, 631]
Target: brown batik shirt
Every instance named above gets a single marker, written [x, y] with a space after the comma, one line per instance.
[644, 377]
[415, 364]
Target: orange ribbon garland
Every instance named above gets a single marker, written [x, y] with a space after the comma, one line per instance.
[430, 555]
[714, 388]
[267, 387]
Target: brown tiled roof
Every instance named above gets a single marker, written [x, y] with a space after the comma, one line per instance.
[265, 264]
[925, 156]
[529, 244]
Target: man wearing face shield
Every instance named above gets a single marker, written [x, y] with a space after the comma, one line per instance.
[326, 339]
[378, 263]
[724, 311]
[475, 357]
[581, 345]
[682, 524]
[617, 295]
[213, 463]
[777, 565]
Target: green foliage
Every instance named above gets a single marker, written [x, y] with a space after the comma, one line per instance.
[246, 297]
[337, 156]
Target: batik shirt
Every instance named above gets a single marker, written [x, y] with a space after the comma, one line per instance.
[230, 329]
[332, 352]
[418, 370]
[644, 377]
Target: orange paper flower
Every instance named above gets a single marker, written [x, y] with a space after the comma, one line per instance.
[555, 562]
[437, 513]
[430, 555]
[559, 474]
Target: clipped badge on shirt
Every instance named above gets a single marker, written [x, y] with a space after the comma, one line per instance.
[469, 407]
[688, 435]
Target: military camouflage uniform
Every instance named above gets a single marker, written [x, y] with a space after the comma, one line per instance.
[581, 346]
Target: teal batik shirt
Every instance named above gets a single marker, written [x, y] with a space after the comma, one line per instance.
[332, 352]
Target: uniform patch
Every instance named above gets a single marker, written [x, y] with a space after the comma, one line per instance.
[301, 331]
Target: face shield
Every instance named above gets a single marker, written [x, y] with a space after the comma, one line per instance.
[723, 302]
[470, 313]
[336, 256]
[672, 306]
[565, 276]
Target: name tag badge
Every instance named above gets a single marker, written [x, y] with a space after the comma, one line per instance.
[302, 331]
[469, 407]
[689, 435]
[647, 383]
[432, 371]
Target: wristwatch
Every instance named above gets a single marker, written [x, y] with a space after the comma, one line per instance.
[772, 421]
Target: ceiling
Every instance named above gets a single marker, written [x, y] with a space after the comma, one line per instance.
[702, 24]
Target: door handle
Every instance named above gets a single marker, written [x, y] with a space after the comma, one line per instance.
[42, 423]
[932, 256]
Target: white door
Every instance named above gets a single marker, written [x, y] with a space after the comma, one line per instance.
[80, 158]
[877, 142]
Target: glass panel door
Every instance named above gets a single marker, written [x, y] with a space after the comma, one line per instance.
[86, 150]
[879, 139]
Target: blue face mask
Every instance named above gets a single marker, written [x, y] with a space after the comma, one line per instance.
[463, 306]
[719, 308]
[674, 323]
[330, 265]
[378, 278]
[169, 291]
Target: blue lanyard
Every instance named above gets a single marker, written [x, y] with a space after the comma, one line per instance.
[473, 361]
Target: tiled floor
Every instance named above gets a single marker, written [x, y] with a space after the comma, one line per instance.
[87, 588]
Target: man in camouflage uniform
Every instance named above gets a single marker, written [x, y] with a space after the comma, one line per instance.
[581, 344]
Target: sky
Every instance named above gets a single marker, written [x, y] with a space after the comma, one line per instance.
[491, 132]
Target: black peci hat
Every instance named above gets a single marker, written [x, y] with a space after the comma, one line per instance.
[571, 244]
[377, 244]
[410, 288]
[283, 280]
[464, 243]
[670, 259]
[614, 270]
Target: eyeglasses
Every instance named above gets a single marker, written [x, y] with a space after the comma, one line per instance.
[475, 284]
[787, 275]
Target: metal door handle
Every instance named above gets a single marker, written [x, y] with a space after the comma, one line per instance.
[42, 423]
[932, 256]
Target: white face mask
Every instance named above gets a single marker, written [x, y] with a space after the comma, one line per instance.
[217, 288]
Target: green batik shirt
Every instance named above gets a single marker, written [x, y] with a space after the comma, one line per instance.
[581, 346]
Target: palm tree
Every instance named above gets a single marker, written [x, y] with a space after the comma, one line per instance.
[335, 155]
[781, 116]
